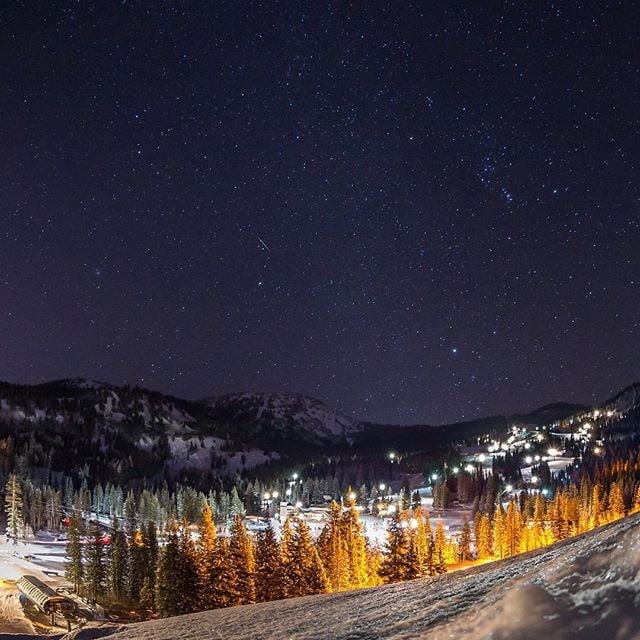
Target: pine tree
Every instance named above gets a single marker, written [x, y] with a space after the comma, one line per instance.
[13, 508]
[616, 508]
[74, 568]
[168, 592]
[269, 567]
[208, 560]
[499, 533]
[636, 500]
[223, 592]
[333, 550]
[95, 568]
[421, 539]
[355, 546]
[151, 553]
[242, 559]
[394, 566]
[512, 529]
[306, 573]
[464, 544]
[188, 574]
[117, 556]
[147, 603]
[439, 549]
[136, 564]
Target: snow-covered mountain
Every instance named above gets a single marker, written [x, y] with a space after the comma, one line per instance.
[585, 588]
[311, 419]
[120, 433]
[626, 401]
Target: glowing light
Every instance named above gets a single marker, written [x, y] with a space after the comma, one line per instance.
[482, 457]
[392, 455]
[509, 488]
[456, 469]
[275, 494]
[434, 476]
[528, 459]
[527, 445]
[287, 492]
[553, 452]
[382, 486]
[534, 479]
[469, 468]
[298, 504]
[267, 496]
[295, 476]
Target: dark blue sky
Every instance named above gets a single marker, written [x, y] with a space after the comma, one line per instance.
[413, 211]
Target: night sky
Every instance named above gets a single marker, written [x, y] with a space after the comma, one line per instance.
[416, 212]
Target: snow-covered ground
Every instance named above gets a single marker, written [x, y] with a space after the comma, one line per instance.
[586, 588]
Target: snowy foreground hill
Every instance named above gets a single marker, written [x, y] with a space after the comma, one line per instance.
[587, 588]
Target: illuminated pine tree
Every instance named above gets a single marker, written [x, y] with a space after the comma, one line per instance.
[13, 508]
[287, 551]
[355, 545]
[464, 544]
[242, 559]
[596, 507]
[309, 573]
[222, 592]
[332, 548]
[499, 533]
[269, 567]
[439, 553]
[538, 533]
[421, 534]
[636, 500]
[207, 560]
[513, 529]
[484, 547]
[615, 505]
[374, 562]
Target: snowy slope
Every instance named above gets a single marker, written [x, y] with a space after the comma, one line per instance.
[311, 418]
[587, 588]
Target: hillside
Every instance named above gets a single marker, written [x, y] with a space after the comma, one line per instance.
[587, 588]
[119, 433]
[126, 434]
[283, 417]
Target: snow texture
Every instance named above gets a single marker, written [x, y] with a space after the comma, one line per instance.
[308, 414]
[586, 588]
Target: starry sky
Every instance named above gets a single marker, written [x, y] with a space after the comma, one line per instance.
[416, 212]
